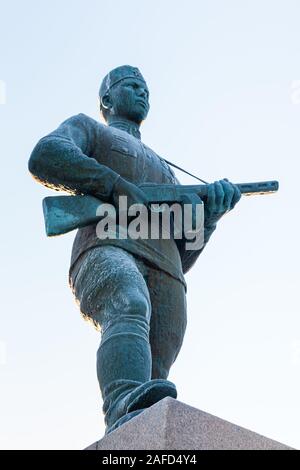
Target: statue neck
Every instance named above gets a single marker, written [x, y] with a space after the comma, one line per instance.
[128, 126]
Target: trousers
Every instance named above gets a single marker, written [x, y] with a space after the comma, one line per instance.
[141, 313]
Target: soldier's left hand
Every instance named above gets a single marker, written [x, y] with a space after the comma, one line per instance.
[222, 196]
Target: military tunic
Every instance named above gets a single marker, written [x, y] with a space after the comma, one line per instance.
[116, 153]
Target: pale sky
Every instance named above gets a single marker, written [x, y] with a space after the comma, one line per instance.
[225, 102]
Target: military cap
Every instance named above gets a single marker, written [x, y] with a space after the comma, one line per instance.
[118, 74]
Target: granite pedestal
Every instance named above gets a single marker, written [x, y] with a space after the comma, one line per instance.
[173, 425]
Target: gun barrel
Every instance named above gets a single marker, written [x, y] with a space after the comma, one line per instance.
[172, 192]
[263, 187]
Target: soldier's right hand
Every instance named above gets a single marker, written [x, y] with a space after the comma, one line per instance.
[134, 194]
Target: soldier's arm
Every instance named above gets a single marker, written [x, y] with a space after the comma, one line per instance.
[63, 160]
[189, 257]
[222, 197]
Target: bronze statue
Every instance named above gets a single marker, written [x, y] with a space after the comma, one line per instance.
[133, 291]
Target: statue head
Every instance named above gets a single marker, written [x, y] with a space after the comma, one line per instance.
[124, 94]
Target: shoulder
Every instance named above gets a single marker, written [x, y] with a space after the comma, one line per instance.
[84, 127]
[82, 120]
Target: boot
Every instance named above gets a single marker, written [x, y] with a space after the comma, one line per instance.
[124, 374]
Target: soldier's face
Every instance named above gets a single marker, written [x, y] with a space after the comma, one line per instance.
[130, 99]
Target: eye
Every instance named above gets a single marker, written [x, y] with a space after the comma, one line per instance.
[137, 86]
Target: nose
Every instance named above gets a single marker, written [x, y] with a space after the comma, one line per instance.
[142, 92]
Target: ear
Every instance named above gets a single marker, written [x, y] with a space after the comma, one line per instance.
[106, 101]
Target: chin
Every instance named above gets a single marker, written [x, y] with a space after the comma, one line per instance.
[138, 113]
[137, 117]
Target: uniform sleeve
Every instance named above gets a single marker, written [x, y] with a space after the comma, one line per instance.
[189, 257]
[63, 160]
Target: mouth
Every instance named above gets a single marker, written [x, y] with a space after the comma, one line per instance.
[143, 103]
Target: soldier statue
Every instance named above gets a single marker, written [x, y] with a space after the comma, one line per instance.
[133, 291]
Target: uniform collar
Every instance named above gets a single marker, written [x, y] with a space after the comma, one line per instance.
[127, 126]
